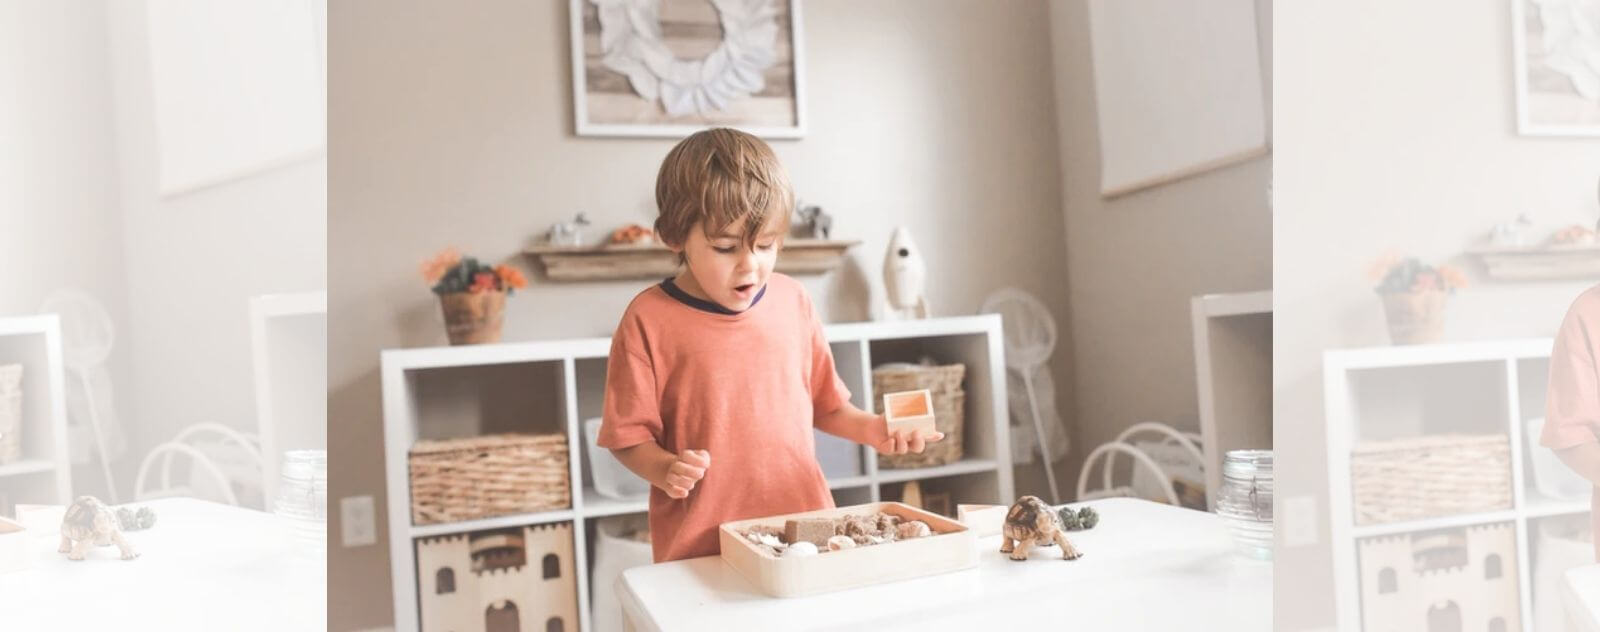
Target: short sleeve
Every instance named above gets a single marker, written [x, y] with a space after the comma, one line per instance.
[631, 414]
[828, 392]
[1572, 404]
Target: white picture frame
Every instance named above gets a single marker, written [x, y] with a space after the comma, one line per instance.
[589, 120]
[236, 89]
[1179, 89]
[1544, 106]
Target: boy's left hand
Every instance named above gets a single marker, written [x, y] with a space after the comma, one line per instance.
[902, 441]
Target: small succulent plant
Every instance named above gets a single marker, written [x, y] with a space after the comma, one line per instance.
[1088, 517]
[1078, 520]
[131, 520]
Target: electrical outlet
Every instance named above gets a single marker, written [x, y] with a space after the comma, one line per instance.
[1299, 521]
[358, 520]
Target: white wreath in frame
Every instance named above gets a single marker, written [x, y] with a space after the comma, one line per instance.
[630, 40]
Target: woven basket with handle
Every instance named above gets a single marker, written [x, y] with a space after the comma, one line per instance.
[493, 475]
[1423, 477]
[949, 402]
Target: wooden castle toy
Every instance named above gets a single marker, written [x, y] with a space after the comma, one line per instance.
[1457, 579]
[519, 579]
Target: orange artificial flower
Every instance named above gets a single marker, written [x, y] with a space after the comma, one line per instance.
[1453, 277]
[484, 281]
[510, 276]
[1379, 269]
[434, 268]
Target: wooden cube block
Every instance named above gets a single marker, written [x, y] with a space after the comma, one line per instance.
[813, 530]
[911, 410]
[985, 520]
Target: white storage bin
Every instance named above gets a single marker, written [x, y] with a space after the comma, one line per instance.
[1563, 543]
[1551, 477]
[611, 478]
[615, 551]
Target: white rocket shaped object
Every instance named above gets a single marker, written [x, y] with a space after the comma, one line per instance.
[903, 274]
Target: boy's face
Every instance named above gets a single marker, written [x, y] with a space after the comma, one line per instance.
[723, 270]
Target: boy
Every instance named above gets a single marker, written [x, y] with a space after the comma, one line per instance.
[718, 375]
[1572, 404]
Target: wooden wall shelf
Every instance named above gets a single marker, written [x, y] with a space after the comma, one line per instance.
[652, 261]
[1540, 264]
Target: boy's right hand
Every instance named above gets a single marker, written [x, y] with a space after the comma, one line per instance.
[684, 472]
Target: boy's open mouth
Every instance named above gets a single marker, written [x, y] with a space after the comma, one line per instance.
[744, 288]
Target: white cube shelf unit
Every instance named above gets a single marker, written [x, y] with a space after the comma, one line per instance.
[44, 474]
[289, 343]
[1233, 376]
[1406, 391]
[552, 386]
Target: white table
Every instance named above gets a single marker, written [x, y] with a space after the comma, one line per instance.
[1147, 566]
[1580, 596]
[204, 566]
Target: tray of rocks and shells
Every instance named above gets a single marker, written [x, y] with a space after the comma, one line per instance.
[821, 551]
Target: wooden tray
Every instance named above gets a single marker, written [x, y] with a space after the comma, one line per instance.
[952, 547]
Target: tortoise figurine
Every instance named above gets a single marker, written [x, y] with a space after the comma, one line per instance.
[88, 523]
[1031, 522]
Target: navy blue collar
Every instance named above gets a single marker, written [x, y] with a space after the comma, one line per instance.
[676, 292]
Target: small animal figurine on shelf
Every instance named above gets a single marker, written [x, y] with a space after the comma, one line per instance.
[567, 233]
[818, 224]
[89, 522]
[1513, 234]
[1031, 522]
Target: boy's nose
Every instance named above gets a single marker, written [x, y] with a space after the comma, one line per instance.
[747, 259]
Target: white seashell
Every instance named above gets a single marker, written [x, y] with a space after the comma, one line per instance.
[839, 542]
[875, 539]
[913, 529]
[770, 540]
[800, 549]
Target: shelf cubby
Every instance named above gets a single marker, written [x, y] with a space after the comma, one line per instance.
[43, 475]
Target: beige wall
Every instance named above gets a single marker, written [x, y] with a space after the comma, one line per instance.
[1134, 261]
[59, 220]
[1388, 140]
[451, 123]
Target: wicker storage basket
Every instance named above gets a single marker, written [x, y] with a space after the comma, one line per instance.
[494, 475]
[949, 402]
[10, 413]
[1424, 477]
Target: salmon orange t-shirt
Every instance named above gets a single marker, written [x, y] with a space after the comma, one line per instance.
[744, 386]
[1572, 403]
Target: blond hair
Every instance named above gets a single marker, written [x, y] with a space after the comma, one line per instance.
[719, 177]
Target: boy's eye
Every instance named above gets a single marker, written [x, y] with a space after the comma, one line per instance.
[724, 249]
[767, 246]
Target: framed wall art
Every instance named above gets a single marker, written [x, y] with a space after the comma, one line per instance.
[669, 68]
